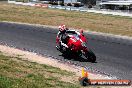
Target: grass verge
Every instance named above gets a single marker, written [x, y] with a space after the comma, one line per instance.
[88, 21]
[18, 73]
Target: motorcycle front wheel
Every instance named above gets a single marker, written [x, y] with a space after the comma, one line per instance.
[90, 56]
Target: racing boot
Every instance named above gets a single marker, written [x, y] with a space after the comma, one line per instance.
[58, 48]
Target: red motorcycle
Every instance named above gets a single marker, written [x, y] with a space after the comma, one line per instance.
[77, 46]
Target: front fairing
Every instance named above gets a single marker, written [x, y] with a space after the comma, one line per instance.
[77, 43]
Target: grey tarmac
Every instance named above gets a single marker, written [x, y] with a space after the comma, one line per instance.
[114, 56]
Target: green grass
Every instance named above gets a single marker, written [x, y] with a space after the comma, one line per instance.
[18, 73]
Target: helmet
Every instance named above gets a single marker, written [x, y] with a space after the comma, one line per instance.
[62, 28]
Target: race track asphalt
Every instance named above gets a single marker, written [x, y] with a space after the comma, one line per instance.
[112, 58]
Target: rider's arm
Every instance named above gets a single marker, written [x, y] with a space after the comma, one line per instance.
[58, 37]
[63, 44]
[59, 33]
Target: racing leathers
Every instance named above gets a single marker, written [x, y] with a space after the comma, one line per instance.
[62, 38]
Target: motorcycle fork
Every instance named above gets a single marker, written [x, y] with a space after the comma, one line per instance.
[85, 49]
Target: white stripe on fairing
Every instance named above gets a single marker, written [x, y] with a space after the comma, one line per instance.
[81, 40]
[73, 40]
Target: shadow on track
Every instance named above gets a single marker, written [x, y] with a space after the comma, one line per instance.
[75, 58]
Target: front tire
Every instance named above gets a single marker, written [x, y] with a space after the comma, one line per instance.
[90, 56]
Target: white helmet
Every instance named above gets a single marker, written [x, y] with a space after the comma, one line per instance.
[62, 28]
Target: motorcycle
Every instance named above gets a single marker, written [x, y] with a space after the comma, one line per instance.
[77, 46]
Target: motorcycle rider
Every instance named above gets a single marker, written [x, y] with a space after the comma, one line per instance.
[62, 35]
